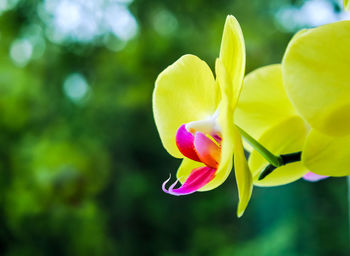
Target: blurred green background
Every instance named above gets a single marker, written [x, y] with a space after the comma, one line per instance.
[81, 163]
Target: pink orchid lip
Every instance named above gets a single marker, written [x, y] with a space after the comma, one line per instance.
[207, 150]
[184, 142]
[198, 178]
[310, 176]
[199, 147]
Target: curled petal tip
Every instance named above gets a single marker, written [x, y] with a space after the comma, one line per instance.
[173, 186]
[171, 190]
[198, 178]
[164, 184]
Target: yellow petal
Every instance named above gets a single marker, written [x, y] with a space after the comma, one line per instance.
[346, 5]
[285, 137]
[232, 144]
[244, 178]
[185, 91]
[316, 76]
[327, 155]
[263, 102]
[232, 55]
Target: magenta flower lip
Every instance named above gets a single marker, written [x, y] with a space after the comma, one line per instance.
[198, 147]
[184, 142]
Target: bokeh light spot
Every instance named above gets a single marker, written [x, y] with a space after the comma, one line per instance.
[84, 21]
[76, 87]
[6, 5]
[21, 52]
[122, 23]
[164, 22]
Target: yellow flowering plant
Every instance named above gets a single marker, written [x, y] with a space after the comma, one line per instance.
[299, 110]
[193, 115]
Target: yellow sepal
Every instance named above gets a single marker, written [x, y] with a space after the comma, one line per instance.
[316, 76]
[232, 143]
[232, 56]
[184, 92]
[243, 175]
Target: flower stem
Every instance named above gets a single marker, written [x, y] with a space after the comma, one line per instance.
[286, 159]
[274, 160]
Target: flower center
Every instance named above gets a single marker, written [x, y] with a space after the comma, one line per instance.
[201, 141]
[206, 126]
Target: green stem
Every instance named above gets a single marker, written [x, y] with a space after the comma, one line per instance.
[286, 159]
[276, 161]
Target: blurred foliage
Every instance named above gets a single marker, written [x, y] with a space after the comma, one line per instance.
[81, 168]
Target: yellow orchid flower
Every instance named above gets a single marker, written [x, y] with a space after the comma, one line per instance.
[315, 72]
[265, 112]
[346, 4]
[193, 115]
